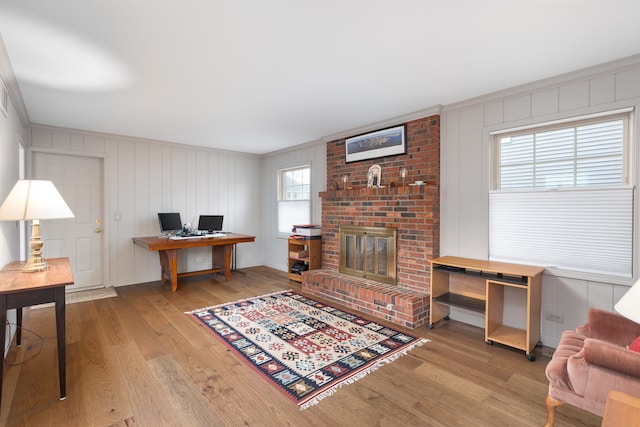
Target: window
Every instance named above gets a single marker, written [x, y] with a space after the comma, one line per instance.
[294, 197]
[561, 197]
[585, 155]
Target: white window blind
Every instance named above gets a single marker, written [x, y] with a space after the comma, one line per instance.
[294, 193]
[587, 230]
[293, 212]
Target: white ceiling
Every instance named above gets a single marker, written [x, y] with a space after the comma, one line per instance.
[258, 76]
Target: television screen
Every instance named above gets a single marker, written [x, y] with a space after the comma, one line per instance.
[210, 222]
[170, 222]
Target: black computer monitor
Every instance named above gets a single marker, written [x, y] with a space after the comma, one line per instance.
[210, 222]
[170, 222]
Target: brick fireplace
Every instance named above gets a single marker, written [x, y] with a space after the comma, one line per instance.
[413, 210]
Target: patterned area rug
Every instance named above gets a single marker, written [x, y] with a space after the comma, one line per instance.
[303, 347]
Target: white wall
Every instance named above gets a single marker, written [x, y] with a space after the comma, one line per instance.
[274, 246]
[11, 134]
[466, 177]
[144, 177]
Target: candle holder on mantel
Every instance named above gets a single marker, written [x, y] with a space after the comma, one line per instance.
[403, 174]
[345, 178]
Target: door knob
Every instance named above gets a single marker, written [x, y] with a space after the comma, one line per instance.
[98, 230]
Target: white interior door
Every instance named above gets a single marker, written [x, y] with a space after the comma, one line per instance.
[79, 180]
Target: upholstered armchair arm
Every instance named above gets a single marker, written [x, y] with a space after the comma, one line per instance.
[612, 357]
[610, 326]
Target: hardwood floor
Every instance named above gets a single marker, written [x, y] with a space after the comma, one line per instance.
[138, 360]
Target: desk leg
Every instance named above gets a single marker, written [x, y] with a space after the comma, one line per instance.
[19, 329]
[62, 339]
[227, 261]
[169, 267]
[3, 332]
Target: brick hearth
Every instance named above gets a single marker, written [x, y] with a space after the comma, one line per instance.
[406, 307]
[414, 211]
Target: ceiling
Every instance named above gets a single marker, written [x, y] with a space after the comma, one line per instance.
[258, 76]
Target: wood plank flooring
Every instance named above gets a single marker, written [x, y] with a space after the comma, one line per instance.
[138, 360]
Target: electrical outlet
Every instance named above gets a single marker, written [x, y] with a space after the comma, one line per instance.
[199, 259]
[554, 317]
[389, 306]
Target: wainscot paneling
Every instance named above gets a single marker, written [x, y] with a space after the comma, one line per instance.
[12, 135]
[466, 176]
[144, 177]
[274, 245]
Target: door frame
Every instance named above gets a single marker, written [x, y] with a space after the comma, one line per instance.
[31, 150]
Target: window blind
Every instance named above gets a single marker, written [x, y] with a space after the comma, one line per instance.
[589, 230]
[580, 156]
[293, 212]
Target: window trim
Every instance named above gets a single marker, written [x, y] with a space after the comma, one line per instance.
[281, 192]
[281, 188]
[624, 114]
[628, 182]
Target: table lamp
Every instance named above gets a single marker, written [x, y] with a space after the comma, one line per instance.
[34, 200]
[629, 304]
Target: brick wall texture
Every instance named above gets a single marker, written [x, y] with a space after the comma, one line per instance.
[413, 210]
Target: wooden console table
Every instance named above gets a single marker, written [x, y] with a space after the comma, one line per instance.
[478, 285]
[168, 251]
[18, 289]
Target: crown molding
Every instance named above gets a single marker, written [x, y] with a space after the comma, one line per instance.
[548, 83]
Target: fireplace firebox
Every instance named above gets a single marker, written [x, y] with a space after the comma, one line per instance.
[368, 252]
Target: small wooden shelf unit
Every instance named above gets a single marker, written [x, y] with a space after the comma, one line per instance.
[308, 251]
[478, 286]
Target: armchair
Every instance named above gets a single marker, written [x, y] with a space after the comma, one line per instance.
[593, 360]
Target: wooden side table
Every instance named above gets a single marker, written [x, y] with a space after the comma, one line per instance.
[621, 410]
[18, 289]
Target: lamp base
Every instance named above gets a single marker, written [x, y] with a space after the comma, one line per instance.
[36, 261]
[35, 265]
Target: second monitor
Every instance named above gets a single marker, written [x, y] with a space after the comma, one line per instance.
[210, 223]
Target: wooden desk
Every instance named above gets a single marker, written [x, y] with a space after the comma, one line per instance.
[168, 251]
[18, 289]
[478, 285]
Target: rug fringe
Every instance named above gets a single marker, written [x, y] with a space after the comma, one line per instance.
[235, 302]
[316, 399]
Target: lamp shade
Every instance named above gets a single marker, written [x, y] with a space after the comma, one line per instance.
[34, 199]
[629, 304]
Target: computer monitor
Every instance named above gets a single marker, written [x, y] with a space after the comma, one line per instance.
[210, 222]
[170, 222]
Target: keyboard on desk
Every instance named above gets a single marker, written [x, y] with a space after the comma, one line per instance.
[188, 237]
[197, 236]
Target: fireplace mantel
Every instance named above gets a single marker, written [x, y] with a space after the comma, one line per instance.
[407, 190]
